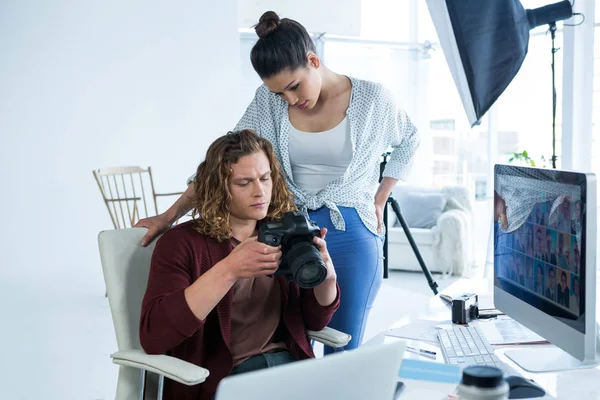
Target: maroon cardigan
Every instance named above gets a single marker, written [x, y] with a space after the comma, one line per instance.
[167, 325]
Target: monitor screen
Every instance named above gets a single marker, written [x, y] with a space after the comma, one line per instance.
[540, 240]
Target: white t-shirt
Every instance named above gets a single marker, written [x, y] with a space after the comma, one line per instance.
[318, 158]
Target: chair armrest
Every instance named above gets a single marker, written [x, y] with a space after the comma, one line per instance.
[330, 337]
[170, 367]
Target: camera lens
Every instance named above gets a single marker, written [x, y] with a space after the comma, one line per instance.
[311, 271]
[306, 265]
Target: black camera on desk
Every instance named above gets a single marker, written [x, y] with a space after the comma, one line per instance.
[301, 261]
[465, 308]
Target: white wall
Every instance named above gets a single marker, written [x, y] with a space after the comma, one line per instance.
[330, 16]
[85, 85]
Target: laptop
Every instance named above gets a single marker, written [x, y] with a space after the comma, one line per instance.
[369, 372]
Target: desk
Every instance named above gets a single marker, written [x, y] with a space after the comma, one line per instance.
[582, 384]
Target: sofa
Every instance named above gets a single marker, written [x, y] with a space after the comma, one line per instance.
[440, 222]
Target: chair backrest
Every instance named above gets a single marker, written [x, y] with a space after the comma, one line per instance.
[128, 193]
[126, 266]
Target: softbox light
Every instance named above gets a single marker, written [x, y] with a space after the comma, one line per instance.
[485, 43]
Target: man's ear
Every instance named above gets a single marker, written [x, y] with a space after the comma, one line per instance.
[313, 60]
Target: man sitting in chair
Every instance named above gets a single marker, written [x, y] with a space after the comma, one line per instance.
[211, 299]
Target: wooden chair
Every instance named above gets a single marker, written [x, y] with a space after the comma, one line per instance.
[129, 194]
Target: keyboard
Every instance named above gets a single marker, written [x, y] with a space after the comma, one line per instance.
[466, 345]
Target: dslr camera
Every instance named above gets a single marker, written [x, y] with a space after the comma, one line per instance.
[465, 308]
[301, 261]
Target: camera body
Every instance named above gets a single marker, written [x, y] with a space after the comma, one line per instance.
[301, 261]
[465, 308]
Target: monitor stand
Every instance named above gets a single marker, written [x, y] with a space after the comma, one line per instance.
[547, 359]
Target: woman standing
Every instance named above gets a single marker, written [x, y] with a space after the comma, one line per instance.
[329, 132]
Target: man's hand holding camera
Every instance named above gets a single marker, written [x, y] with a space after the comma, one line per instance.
[251, 258]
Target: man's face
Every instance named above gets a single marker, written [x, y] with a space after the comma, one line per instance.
[250, 186]
[540, 275]
[576, 287]
[548, 243]
[538, 239]
[563, 281]
[551, 280]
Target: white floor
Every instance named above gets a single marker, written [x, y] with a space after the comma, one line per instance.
[58, 339]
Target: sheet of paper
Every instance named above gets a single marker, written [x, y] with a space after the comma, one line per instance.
[504, 330]
[420, 329]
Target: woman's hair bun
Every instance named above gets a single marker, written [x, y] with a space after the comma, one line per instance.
[267, 23]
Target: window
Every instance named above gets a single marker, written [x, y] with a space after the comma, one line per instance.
[525, 108]
[385, 64]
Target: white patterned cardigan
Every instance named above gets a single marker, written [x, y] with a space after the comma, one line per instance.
[376, 123]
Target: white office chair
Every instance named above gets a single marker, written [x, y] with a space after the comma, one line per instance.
[126, 266]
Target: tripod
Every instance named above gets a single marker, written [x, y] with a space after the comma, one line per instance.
[396, 208]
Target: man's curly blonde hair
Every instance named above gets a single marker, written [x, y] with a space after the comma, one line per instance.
[212, 203]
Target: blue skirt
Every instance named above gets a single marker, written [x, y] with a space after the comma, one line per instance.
[357, 256]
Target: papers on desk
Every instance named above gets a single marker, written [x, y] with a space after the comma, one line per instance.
[421, 329]
[504, 330]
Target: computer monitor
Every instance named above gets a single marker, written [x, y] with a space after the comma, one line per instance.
[545, 262]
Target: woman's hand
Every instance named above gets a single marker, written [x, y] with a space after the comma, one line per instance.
[381, 197]
[379, 207]
[156, 225]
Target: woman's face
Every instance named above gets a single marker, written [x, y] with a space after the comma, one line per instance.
[300, 88]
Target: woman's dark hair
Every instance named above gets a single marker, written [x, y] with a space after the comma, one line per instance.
[282, 44]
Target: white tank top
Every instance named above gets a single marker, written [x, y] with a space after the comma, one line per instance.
[321, 157]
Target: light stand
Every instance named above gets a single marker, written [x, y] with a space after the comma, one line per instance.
[552, 31]
[396, 208]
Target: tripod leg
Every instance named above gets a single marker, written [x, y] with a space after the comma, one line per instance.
[432, 284]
